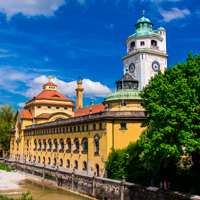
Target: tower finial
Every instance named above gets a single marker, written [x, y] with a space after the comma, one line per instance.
[49, 78]
[143, 12]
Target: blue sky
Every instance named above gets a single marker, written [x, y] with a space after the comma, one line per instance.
[71, 38]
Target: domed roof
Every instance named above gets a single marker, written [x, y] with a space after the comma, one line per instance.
[127, 76]
[124, 94]
[143, 20]
[127, 88]
[161, 28]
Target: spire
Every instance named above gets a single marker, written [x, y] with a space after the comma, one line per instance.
[143, 13]
[49, 78]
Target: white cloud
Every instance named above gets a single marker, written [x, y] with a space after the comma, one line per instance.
[30, 7]
[175, 13]
[21, 104]
[7, 55]
[91, 89]
[109, 26]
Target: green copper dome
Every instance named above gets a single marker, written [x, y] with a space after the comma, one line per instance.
[143, 20]
[127, 88]
[143, 27]
[123, 94]
[161, 29]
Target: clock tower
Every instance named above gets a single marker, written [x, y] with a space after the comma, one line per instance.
[146, 52]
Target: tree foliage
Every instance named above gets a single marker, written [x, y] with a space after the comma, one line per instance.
[6, 120]
[171, 101]
[126, 162]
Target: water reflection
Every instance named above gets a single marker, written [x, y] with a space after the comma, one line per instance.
[41, 191]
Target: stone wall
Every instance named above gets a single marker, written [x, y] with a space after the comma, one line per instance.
[98, 187]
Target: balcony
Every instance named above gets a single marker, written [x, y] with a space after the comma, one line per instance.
[152, 47]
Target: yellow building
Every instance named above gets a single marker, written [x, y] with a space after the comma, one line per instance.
[49, 131]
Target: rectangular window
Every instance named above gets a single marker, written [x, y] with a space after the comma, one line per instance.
[82, 128]
[123, 126]
[70, 129]
[65, 108]
[57, 107]
[100, 126]
[94, 126]
[123, 104]
[87, 127]
[142, 43]
[38, 106]
[74, 128]
[63, 130]
[67, 130]
[79, 128]
[48, 106]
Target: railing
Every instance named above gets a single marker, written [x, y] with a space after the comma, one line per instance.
[91, 117]
[152, 47]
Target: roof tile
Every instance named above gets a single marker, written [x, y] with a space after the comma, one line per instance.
[86, 110]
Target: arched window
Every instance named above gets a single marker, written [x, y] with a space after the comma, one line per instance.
[55, 144]
[43, 160]
[154, 43]
[69, 145]
[35, 144]
[68, 163]
[44, 144]
[76, 144]
[75, 164]
[39, 145]
[27, 143]
[61, 162]
[85, 144]
[49, 161]
[96, 144]
[84, 165]
[38, 159]
[132, 44]
[54, 163]
[61, 144]
[49, 144]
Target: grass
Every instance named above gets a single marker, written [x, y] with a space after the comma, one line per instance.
[3, 167]
[25, 196]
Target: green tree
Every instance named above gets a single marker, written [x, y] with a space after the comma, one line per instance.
[115, 164]
[126, 162]
[171, 101]
[6, 120]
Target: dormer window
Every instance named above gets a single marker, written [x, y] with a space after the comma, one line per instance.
[55, 96]
[142, 43]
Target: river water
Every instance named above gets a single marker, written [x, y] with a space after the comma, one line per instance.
[41, 191]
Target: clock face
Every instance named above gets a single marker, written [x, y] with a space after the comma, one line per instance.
[155, 66]
[132, 68]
